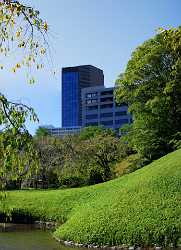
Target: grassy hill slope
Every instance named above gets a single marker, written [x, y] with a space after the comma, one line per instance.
[141, 208]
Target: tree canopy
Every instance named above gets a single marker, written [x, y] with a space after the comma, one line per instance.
[93, 131]
[41, 131]
[151, 85]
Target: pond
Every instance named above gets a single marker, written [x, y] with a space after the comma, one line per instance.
[21, 237]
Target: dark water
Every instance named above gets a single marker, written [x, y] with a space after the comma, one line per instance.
[29, 238]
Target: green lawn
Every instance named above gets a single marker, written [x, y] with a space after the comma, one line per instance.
[141, 208]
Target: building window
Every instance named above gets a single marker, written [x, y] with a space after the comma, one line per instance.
[91, 124]
[121, 113]
[93, 116]
[91, 95]
[107, 99]
[94, 94]
[110, 92]
[92, 108]
[107, 122]
[105, 106]
[88, 95]
[121, 121]
[94, 100]
[106, 115]
[88, 102]
[91, 101]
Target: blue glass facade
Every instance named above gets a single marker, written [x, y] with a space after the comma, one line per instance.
[74, 79]
[70, 99]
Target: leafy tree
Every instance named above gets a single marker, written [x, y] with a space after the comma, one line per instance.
[151, 87]
[17, 154]
[102, 152]
[93, 131]
[22, 31]
[75, 161]
[87, 161]
[41, 132]
[50, 157]
[69, 169]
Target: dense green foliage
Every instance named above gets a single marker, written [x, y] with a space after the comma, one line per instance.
[93, 131]
[70, 161]
[141, 208]
[40, 132]
[88, 157]
[151, 87]
[78, 160]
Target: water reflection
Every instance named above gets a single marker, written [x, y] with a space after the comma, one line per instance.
[27, 237]
[11, 227]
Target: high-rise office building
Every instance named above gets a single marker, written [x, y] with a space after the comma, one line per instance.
[100, 109]
[74, 79]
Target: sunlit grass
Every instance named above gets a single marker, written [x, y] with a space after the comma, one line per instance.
[141, 208]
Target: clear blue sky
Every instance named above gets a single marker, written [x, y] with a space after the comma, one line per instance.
[98, 32]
